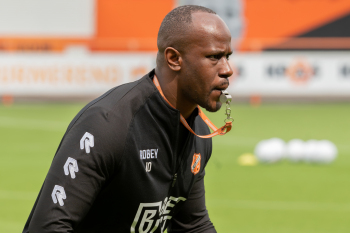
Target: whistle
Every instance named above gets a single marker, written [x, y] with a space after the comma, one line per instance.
[225, 97]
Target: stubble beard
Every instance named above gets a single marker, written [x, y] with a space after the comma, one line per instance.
[209, 108]
[207, 104]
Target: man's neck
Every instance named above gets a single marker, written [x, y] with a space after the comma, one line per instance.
[169, 86]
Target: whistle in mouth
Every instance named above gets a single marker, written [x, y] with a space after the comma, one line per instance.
[225, 97]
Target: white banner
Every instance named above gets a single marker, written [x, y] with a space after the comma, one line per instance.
[291, 74]
[265, 74]
[70, 74]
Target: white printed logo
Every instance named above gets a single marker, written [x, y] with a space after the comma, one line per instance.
[71, 166]
[58, 194]
[150, 215]
[148, 166]
[87, 141]
[148, 154]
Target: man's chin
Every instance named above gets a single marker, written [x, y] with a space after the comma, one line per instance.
[215, 108]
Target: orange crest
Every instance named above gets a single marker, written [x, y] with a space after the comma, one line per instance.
[196, 163]
[300, 73]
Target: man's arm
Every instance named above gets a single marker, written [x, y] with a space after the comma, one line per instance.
[193, 216]
[82, 164]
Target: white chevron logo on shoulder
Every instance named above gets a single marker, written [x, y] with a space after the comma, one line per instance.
[71, 167]
[86, 142]
[58, 194]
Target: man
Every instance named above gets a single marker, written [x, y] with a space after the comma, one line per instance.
[126, 163]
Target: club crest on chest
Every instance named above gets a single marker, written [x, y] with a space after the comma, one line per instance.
[196, 163]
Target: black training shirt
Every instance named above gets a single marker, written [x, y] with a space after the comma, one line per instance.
[123, 165]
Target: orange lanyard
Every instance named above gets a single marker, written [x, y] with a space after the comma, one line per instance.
[217, 131]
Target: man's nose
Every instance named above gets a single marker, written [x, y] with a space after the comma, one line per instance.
[226, 70]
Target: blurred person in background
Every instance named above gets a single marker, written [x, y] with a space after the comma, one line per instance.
[126, 163]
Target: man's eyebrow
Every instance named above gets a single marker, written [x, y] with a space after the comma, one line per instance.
[221, 52]
[218, 52]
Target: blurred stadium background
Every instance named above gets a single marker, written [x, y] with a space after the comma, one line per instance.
[291, 80]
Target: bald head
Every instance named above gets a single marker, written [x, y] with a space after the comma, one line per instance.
[176, 26]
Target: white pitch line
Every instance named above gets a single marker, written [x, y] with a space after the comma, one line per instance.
[32, 124]
[279, 205]
[17, 195]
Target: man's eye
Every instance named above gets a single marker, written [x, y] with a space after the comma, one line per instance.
[216, 57]
[227, 57]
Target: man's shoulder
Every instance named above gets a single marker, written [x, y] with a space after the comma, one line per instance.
[129, 93]
[119, 102]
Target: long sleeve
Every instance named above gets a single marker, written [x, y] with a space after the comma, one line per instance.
[83, 163]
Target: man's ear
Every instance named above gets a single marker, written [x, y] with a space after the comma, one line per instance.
[173, 58]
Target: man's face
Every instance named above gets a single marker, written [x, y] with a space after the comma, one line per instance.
[205, 68]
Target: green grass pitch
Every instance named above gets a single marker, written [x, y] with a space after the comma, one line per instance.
[281, 198]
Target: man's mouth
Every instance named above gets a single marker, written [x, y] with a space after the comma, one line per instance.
[223, 86]
[218, 89]
[217, 93]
